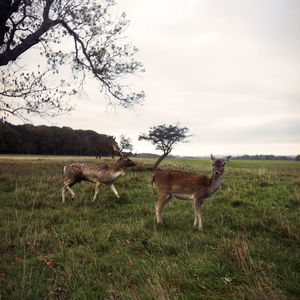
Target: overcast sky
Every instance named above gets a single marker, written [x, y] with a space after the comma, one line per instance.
[229, 70]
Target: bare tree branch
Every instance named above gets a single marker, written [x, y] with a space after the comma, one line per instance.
[98, 47]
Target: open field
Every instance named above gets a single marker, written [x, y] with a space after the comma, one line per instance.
[112, 249]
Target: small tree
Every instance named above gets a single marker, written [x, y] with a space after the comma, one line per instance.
[164, 138]
[125, 143]
[297, 157]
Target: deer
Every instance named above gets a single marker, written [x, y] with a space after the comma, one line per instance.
[188, 186]
[98, 173]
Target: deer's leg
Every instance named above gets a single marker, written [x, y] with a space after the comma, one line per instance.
[71, 191]
[159, 206]
[198, 214]
[63, 197]
[97, 189]
[196, 218]
[67, 186]
[112, 187]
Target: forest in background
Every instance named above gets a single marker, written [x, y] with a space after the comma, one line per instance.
[52, 140]
[29, 139]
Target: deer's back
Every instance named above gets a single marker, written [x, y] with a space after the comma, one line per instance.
[85, 170]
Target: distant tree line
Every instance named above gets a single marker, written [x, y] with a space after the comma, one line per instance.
[29, 139]
[263, 157]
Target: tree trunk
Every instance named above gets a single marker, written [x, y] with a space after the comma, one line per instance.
[159, 160]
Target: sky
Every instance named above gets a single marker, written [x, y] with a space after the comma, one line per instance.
[229, 70]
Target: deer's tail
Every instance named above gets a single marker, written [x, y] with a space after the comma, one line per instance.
[153, 184]
[64, 172]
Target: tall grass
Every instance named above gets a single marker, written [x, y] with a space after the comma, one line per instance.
[113, 248]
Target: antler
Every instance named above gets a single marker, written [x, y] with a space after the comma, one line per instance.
[116, 148]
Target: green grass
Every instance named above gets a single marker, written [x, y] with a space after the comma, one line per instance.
[113, 248]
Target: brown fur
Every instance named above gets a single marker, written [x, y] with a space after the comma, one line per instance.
[175, 181]
[190, 186]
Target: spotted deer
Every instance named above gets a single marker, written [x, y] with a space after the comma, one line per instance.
[97, 173]
[188, 186]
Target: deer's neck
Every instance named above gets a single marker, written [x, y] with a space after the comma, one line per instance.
[114, 171]
[214, 184]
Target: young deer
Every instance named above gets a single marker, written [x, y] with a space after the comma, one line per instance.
[188, 186]
[98, 173]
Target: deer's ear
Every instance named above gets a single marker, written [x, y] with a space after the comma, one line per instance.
[227, 159]
[212, 157]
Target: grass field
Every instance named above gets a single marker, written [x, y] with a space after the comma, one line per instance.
[112, 249]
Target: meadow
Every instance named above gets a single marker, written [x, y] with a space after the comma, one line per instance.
[113, 249]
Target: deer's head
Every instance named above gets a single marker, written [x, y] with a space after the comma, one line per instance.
[124, 162]
[219, 164]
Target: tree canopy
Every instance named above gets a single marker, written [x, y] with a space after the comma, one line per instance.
[164, 137]
[98, 48]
